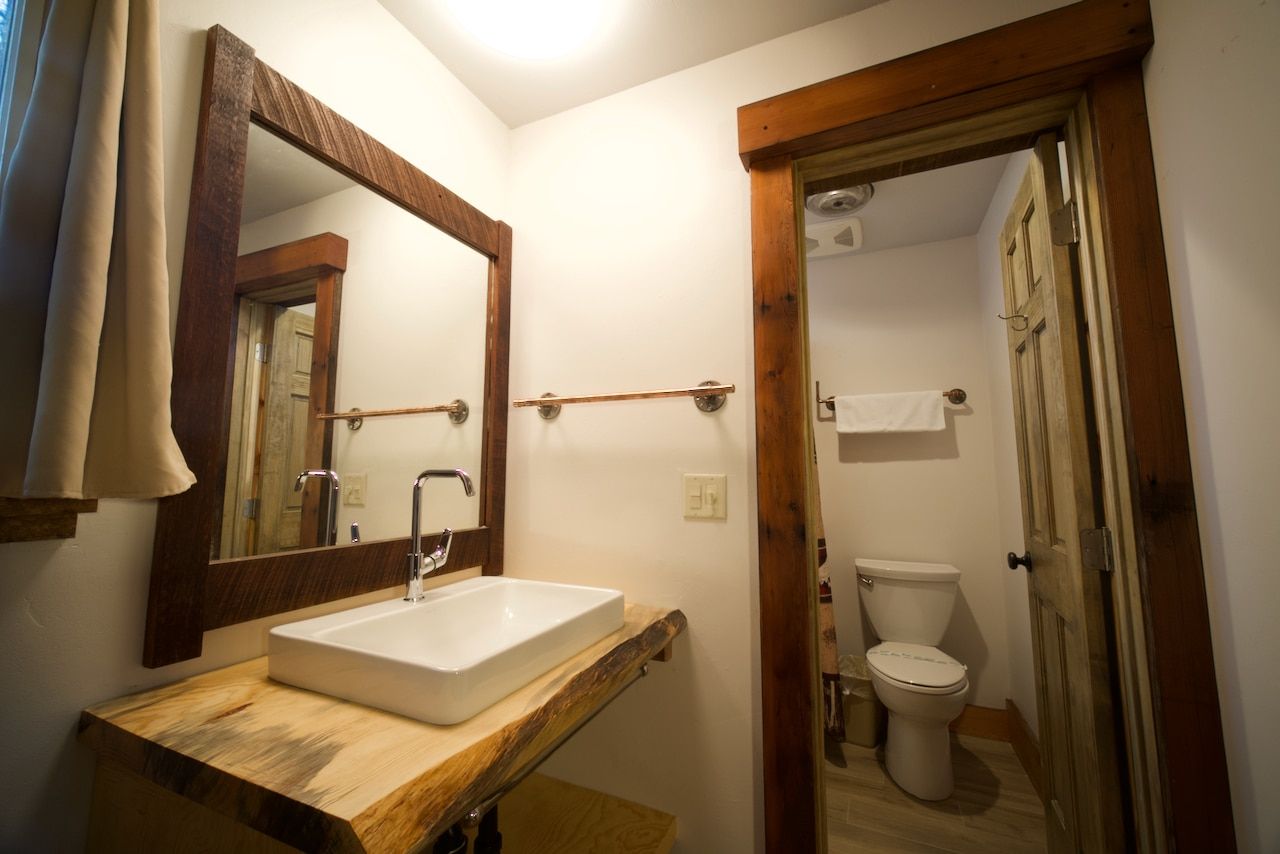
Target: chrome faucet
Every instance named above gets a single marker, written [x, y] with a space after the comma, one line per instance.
[331, 532]
[439, 556]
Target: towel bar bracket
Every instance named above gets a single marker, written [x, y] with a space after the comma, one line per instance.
[549, 411]
[709, 402]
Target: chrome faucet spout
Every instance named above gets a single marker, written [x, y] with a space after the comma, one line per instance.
[331, 532]
[439, 556]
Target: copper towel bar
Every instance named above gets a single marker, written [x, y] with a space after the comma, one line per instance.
[458, 412]
[708, 396]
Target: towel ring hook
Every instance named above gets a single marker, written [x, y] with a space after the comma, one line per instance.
[1016, 328]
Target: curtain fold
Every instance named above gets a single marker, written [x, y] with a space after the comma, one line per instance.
[84, 288]
[829, 653]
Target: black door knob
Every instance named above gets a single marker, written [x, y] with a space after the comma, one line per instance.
[1014, 561]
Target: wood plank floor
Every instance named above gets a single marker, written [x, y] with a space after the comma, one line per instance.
[994, 808]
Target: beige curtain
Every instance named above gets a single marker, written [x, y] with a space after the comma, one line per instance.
[84, 290]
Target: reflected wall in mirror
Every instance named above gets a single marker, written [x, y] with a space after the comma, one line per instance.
[403, 327]
[371, 286]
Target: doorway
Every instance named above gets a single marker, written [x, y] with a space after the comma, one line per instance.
[991, 93]
[912, 306]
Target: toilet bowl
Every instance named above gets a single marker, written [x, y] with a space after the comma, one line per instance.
[924, 689]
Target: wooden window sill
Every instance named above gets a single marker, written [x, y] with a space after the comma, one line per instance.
[28, 519]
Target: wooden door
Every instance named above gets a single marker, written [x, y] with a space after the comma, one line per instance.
[283, 437]
[1083, 788]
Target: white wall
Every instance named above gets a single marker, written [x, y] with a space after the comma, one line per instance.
[632, 261]
[1214, 120]
[71, 613]
[412, 333]
[909, 319]
[1022, 686]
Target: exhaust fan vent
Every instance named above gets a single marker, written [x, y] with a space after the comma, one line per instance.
[837, 237]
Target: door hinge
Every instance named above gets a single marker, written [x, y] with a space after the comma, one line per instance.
[250, 508]
[260, 352]
[1096, 549]
[1064, 225]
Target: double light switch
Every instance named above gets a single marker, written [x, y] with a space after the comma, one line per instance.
[704, 496]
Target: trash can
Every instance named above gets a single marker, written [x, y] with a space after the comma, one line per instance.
[864, 714]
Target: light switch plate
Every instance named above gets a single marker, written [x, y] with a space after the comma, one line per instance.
[354, 487]
[704, 496]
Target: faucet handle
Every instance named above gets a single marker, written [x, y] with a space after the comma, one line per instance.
[441, 552]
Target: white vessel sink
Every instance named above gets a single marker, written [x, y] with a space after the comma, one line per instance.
[452, 654]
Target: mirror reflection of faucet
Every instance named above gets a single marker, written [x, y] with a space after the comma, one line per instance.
[439, 556]
[331, 532]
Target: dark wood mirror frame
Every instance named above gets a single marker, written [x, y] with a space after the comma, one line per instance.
[190, 594]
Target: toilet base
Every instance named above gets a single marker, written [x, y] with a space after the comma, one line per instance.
[918, 757]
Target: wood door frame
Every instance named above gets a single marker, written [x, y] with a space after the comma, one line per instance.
[1176, 755]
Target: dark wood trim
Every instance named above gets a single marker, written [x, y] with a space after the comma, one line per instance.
[250, 588]
[190, 595]
[290, 112]
[290, 263]
[1095, 45]
[967, 154]
[1052, 52]
[1179, 644]
[496, 404]
[1026, 746]
[790, 708]
[322, 396]
[24, 520]
[203, 353]
[982, 722]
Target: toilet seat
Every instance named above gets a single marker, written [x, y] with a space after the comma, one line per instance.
[916, 667]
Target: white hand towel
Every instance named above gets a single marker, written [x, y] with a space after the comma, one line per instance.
[904, 412]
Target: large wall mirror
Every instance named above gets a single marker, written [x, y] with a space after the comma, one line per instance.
[340, 311]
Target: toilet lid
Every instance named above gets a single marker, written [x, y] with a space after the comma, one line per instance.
[916, 664]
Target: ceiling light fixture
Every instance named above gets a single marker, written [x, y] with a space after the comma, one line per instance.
[533, 29]
[840, 202]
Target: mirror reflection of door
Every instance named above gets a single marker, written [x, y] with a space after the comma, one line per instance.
[284, 375]
[281, 449]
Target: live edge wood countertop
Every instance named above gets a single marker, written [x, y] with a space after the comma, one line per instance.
[320, 773]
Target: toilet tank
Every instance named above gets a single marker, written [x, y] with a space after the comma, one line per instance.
[907, 601]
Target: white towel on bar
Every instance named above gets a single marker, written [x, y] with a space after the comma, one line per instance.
[903, 412]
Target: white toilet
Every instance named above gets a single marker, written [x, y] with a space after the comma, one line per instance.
[924, 689]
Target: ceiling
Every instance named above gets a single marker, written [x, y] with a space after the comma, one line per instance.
[928, 206]
[646, 39]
